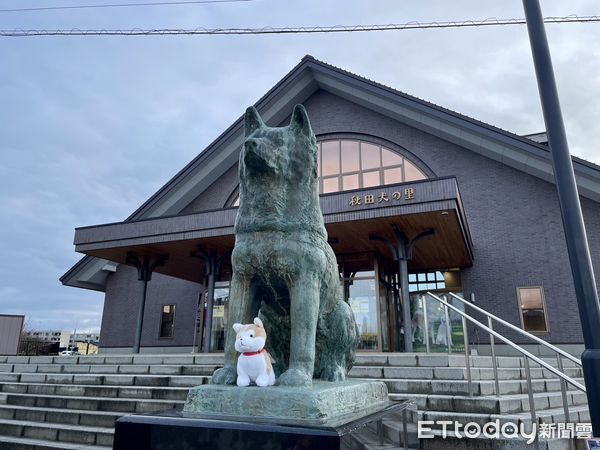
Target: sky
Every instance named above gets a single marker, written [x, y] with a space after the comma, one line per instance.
[90, 127]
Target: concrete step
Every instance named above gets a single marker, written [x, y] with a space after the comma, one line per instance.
[185, 359]
[128, 405]
[508, 404]
[135, 392]
[432, 360]
[54, 415]
[461, 387]
[16, 443]
[456, 373]
[109, 379]
[57, 432]
[152, 369]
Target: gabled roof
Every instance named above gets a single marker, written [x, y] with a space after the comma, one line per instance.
[298, 85]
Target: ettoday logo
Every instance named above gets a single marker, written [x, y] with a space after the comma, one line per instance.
[428, 429]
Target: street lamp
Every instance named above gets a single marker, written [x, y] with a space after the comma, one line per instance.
[568, 197]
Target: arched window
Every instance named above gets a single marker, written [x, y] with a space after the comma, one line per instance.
[346, 164]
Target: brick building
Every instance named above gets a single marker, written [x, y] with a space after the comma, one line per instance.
[472, 207]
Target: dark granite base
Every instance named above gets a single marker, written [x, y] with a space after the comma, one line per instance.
[174, 430]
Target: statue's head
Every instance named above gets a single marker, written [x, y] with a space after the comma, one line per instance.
[287, 153]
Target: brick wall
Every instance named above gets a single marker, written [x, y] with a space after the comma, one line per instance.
[123, 293]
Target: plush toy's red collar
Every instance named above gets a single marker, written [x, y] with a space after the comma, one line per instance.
[253, 353]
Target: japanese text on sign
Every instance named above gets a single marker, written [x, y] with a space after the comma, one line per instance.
[383, 197]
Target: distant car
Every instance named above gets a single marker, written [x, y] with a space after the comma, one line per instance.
[69, 353]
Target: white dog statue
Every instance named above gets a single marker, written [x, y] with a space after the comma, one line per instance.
[254, 363]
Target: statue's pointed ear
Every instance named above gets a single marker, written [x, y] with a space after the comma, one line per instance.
[300, 122]
[258, 322]
[237, 327]
[252, 121]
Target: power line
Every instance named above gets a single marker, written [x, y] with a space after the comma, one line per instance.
[121, 5]
[291, 30]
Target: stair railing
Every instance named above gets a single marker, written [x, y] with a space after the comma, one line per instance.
[527, 355]
[559, 353]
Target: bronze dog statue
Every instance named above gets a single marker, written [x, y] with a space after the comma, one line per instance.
[284, 271]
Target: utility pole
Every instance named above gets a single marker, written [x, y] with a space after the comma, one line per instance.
[568, 197]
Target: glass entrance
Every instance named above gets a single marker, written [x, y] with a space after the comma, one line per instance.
[362, 292]
[362, 297]
[371, 289]
[219, 317]
[219, 321]
[434, 328]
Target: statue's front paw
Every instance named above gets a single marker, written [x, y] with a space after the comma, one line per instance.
[224, 375]
[333, 373]
[295, 377]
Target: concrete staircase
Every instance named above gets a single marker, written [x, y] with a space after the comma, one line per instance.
[438, 384]
[72, 402]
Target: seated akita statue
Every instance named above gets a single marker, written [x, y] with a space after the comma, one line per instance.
[284, 271]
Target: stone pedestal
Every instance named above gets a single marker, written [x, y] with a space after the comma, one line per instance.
[322, 402]
[324, 416]
[390, 426]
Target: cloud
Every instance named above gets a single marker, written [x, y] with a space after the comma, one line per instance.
[91, 127]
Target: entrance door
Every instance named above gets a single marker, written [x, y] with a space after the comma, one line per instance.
[434, 328]
[361, 291]
[362, 297]
[219, 320]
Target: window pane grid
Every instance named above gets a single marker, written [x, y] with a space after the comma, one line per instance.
[427, 281]
[354, 164]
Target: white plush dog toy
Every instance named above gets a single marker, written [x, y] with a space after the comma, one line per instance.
[254, 363]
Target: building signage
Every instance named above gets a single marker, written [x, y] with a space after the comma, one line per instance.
[383, 197]
[219, 311]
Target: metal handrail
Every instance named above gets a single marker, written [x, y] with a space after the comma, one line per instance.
[519, 330]
[527, 356]
[517, 347]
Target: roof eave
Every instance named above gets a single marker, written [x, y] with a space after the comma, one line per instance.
[88, 273]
